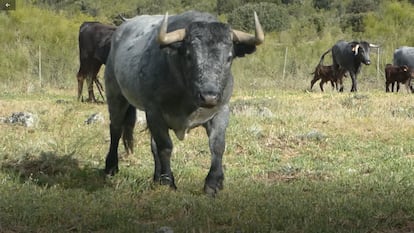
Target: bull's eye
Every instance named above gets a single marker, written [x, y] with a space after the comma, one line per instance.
[188, 55]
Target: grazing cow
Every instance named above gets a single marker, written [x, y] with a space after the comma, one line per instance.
[350, 56]
[397, 74]
[326, 74]
[94, 46]
[178, 70]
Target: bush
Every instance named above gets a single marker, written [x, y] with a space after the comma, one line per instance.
[227, 6]
[353, 21]
[322, 4]
[362, 6]
[272, 17]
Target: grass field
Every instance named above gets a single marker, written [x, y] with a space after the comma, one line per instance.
[296, 161]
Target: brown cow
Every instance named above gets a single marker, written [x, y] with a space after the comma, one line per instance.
[326, 74]
[94, 46]
[398, 74]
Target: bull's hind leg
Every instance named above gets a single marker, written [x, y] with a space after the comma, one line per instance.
[216, 131]
[313, 81]
[80, 77]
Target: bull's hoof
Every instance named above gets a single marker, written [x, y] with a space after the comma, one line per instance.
[165, 179]
[213, 190]
[111, 171]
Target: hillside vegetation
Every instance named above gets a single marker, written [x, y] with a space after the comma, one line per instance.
[42, 35]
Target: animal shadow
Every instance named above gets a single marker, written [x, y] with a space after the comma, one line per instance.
[51, 170]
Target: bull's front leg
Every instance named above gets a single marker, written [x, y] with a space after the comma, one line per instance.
[216, 131]
[161, 148]
[354, 83]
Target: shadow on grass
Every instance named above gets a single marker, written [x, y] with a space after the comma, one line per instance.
[49, 169]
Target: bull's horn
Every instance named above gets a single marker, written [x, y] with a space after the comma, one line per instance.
[243, 37]
[122, 18]
[374, 46]
[165, 38]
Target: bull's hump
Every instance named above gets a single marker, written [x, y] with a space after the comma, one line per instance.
[182, 125]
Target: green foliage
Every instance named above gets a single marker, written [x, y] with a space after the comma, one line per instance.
[272, 17]
[362, 6]
[39, 34]
[227, 6]
[391, 26]
[353, 21]
[356, 12]
[322, 4]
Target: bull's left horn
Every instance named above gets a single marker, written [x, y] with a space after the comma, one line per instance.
[243, 37]
[374, 46]
[165, 38]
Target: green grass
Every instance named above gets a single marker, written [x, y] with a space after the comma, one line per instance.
[320, 162]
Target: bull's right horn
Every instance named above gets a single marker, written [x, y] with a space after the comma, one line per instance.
[165, 38]
[374, 46]
[243, 37]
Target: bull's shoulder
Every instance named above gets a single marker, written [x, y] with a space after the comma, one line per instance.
[137, 27]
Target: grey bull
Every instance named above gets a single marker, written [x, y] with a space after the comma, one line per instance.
[404, 56]
[349, 56]
[178, 70]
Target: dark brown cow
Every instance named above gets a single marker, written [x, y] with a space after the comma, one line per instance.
[94, 46]
[397, 74]
[326, 74]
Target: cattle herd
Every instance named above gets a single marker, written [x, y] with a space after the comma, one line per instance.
[348, 57]
[177, 70]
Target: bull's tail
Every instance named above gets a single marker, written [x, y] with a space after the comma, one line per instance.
[323, 56]
[128, 129]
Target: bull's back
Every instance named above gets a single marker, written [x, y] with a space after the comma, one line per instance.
[404, 56]
[342, 54]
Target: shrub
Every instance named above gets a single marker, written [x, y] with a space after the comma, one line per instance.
[353, 21]
[362, 6]
[227, 6]
[272, 17]
[322, 4]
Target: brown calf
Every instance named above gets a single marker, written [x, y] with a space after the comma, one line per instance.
[397, 74]
[94, 46]
[326, 74]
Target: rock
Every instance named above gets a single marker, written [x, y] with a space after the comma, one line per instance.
[165, 230]
[95, 118]
[26, 119]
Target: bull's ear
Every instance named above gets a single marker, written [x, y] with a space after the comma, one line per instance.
[240, 49]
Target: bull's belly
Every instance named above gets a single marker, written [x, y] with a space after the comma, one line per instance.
[181, 125]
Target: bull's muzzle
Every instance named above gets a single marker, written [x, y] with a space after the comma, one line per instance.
[208, 99]
[367, 62]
